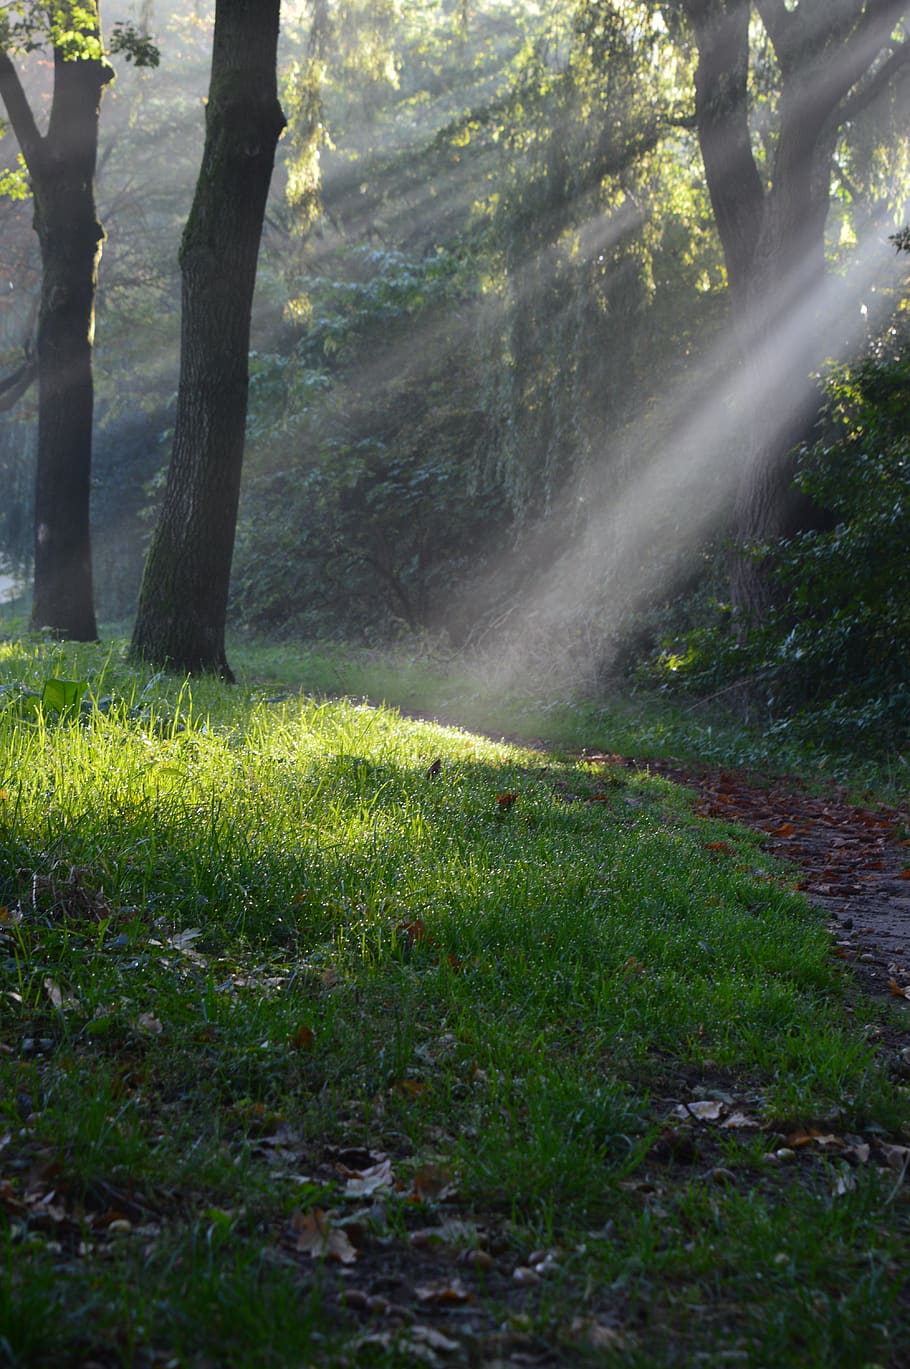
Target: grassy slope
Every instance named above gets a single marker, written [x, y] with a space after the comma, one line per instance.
[243, 927]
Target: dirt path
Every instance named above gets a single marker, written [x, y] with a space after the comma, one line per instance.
[853, 862]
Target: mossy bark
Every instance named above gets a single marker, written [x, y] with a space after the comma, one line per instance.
[180, 624]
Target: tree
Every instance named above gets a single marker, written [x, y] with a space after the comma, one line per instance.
[182, 608]
[61, 168]
[832, 59]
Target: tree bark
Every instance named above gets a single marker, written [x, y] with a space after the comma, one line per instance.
[180, 623]
[61, 166]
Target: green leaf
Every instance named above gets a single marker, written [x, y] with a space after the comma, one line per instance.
[60, 696]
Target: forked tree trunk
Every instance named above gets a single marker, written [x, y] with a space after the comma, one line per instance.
[180, 623]
[773, 236]
[61, 165]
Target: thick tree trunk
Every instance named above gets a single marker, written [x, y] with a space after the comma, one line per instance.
[61, 166]
[180, 623]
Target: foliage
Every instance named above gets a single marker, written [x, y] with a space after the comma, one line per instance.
[69, 28]
[14, 184]
[366, 530]
[835, 645]
[134, 45]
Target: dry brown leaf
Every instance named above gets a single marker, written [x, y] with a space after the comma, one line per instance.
[414, 933]
[409, 1088]
[361, 1183]
[704, 1109]
[444, 1291]
[316, 1237]
[740, 1120]
[302, 1039]
[801, 1137]
[895, 1156]
[432, 1182]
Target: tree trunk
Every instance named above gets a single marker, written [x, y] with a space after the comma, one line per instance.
[182, 609]
[61, 166]
[774, 237]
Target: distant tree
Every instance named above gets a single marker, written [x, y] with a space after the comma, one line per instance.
[182, 608]
[831, 59]
[61, 173]
[61, 169]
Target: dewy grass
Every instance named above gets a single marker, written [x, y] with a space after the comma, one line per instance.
[644, 726]
[249, 944]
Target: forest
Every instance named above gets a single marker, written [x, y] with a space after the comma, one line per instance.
[454, 683]
[550, 368]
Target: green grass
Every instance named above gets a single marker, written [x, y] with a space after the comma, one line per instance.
[251, 947]
[645, 725]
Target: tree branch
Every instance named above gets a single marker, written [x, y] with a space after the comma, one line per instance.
[873, 32]
[20, 113]
[14, 386]
[778, 22]
[863, 97]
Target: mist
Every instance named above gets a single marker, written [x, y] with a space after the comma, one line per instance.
[498, 402]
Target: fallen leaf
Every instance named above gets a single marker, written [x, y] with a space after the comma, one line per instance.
[801, 1138]
[183, 941]
[302, 1039]
[451, 1232]
[409, 1088]
[150, 1024]
[445, 1291]
[57, 996]
[361, 1183]
[432, 1182]
[739, 1120]
[428, 1335]
[897, 1157]
[704, 1109]
[435, 768]
[53, 992]
[897, 990]
[844, 1183]
[505, 801]
[598, 1336]
[413, 932]
[316, 1237]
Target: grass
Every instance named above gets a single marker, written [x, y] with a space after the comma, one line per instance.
[642, 724]
[311, 1055]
